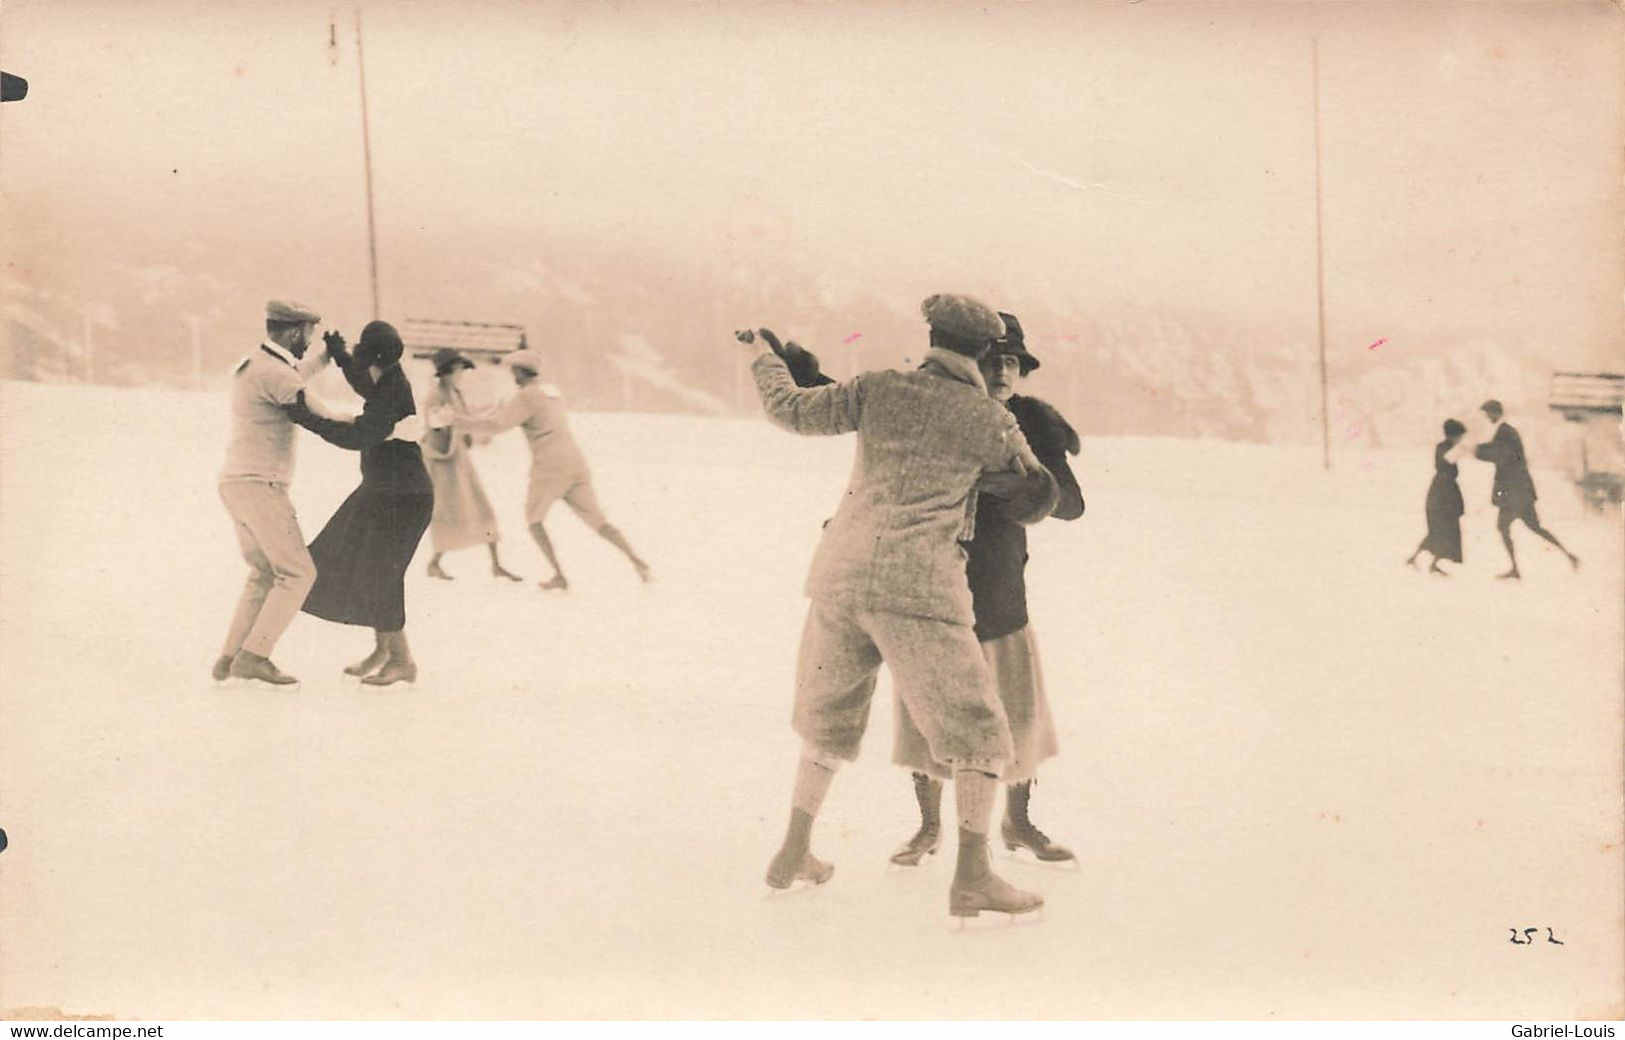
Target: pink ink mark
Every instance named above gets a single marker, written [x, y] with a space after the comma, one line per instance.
[1377, 344]
[855, 335]
[1366, 465]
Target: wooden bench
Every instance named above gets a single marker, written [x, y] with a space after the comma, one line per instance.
[477, 340]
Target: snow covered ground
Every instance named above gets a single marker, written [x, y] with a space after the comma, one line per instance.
[1303, 780]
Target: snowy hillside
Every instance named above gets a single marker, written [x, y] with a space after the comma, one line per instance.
[1303, 780]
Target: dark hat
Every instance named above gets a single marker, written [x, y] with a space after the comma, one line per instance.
[1452, 428]
[1014, 343]
[445, 359]
[379, 345]
[1492, 405]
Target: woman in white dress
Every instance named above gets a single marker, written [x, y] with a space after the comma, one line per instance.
[463, 516]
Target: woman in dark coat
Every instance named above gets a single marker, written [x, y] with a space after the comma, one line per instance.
[1444, 504]
[363, 552]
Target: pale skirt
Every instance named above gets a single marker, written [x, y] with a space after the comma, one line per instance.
[1019, 677]
[462, 513]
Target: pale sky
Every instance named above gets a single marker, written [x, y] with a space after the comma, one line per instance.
[1141, 153]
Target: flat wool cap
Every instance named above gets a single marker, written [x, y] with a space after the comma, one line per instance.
[962, 317]
[290, 312]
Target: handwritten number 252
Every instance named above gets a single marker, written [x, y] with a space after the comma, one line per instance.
[1528, 932]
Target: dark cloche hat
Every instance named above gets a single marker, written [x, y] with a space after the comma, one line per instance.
[1014, 343]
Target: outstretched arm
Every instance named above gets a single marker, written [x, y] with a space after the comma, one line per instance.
[512, 412]
[826, 409]
[370, 428]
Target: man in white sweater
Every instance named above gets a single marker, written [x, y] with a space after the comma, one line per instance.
[254, 488]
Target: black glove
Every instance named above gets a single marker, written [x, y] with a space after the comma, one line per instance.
[803, 365]
[334, 342]
[801, 362]
[299, 411]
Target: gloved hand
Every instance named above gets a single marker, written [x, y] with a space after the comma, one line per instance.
[298, 410]
[1006, 484]
[803, 365]
[333, 340]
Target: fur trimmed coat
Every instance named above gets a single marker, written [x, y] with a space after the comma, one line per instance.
[924, 437]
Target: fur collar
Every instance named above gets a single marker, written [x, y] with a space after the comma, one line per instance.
[955, 366]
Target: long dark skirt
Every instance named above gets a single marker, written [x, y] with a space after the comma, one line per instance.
[1444, 509]
[362, 556]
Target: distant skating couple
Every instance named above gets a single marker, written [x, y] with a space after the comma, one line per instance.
[1513, 494]
[353, 573]
[888, 585]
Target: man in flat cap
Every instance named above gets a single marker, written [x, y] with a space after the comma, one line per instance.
[558, 470]
[254, 488]
[888, 585]
[1513, 493]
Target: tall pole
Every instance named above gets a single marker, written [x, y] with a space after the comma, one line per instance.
[1320, 269]
[366, 153]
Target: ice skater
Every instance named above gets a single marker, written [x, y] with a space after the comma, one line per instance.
[1444, 504]
[887, 583]
[558, 470]
[363, 552]
[463, 516]
[996, 568]
[254, 487]
[1514, 490]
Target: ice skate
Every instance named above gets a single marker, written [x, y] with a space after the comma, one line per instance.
[1018, 831]
[926, 841]
[1574, 561]
[436, 571]
[398, 666]
[392, 673]
[371, 663]
[1436, 569]
[1035, 841]
[789, 866]
[260, 669]
[991, 892]
[642, 568]
[554, 584]
[499, 571]
[222, 668]
[1511, 575]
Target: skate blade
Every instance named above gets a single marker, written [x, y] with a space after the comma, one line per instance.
[993, 920]
[794, 888]
[1063, 866]
[903, 866]
[261, 686]
[1031, 860]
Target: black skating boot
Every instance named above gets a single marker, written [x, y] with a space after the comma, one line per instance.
[928, 838]
[373, 661]
[399, 667]
[1018, 831]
